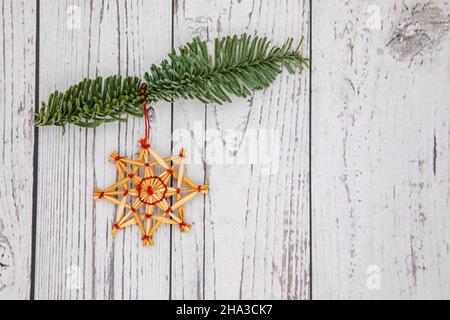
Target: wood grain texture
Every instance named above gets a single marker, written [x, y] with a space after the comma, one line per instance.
[17, 96]
[77, 258]
[251, 234]
[380, 149]
[380, 155]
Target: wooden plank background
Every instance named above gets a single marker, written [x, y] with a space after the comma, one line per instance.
[353, 203]
[255, 246]
[380, 149]
[17, 100]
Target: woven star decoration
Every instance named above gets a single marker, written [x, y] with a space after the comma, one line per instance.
[150, 192]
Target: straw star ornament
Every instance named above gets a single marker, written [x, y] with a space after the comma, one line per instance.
[149, 192]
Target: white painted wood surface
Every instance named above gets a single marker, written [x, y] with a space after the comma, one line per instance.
[17, 95]
[380, 155]
[380, 139]
[77, 258]
[251, 236]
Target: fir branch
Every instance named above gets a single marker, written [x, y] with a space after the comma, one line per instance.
[92, 102]
[239, 66]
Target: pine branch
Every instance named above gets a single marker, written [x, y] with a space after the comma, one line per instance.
[239, 66]
[92, 102]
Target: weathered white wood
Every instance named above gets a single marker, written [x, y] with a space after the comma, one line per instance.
[77, 258]
[380, 156]
[380, 139]
[17, 95]
[188, 248]
[251, 233]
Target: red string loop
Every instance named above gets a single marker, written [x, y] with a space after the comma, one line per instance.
[143, 93]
